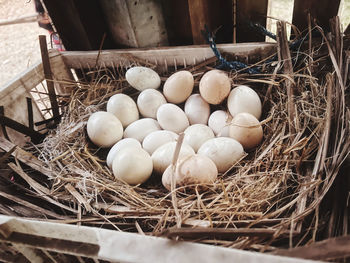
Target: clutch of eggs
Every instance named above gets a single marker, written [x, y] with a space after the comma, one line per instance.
[142, 134]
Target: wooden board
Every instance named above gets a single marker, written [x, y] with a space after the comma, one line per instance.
[79, 23]
[320, 10]
[250, 11]
[216, 15]
[164, 56]
[135, 23]
[115, 246]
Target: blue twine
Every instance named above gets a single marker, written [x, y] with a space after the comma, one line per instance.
[224, 64]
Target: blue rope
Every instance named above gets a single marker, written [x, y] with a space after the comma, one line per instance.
[224, 64]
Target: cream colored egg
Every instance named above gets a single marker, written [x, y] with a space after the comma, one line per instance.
[104, 129]
[119, 146]
[163, 156]
[178, 87]
[190, 170]
[244, 99]
[223, 151]
[133, 166]
[197, 109]
[149, 101]
[246, 129]
[157, 138]
[197, 134]
[124, 108]
[214, 86]
[219, 121]
[142, 78]
[141, 128]
[172, 118]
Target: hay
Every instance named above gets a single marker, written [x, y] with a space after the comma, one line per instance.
[262, 199]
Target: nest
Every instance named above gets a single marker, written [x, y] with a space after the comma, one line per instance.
[270, 197]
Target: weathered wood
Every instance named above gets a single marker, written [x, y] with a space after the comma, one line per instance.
[250, 11]
[48, 76]
[330, 249]
[80, 24]
[179, 30]
[216, 15]
[114, 246]
[136, 23]
[164, 56]
[320, 10]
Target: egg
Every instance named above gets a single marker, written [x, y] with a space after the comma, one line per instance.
[172, 118]
[104, 129]
[194, 169]
[214, 86]
[197, 109]
[133, 166]
[197, 134]
[178, 87]
[149, 101]
[246, 129]
[141, 128]
[219, 121]
[157, 138]
[244, 99]
[142, 78]
[223, 151]
[119, 146]
[124, 108]
[163, 156]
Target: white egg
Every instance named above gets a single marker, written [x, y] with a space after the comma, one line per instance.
[219, 121]
[119, 146]
[246, 129]
[223, 151]
[197, 134]
[178, 87]
[133, 166]
[191, 170]
[124, 108]
[163, 156]
[104, 129]
[197, 109]
[214, 86]
[149, 101]
[141, 128]
[142, 78]
[244, 99]
[157, 138]
[172, 118]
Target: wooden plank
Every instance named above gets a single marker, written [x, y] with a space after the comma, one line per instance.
[48, 76]
[178, 30]
[136, 23]
[320, 10]
[216, 15]
[330, 249]
[80, 24]
[165, 56]
[114, 246]
[250, 11]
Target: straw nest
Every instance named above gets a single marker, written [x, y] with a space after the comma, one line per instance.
[264, 197]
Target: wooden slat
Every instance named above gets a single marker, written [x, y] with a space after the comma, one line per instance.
[330, 249]
[79, 23]
[165, 56]
[179, 30]
[215, 15]
[250, 11]
[320, 10]
[135, 23]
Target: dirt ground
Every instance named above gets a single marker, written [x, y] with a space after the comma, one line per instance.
[19, 44]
